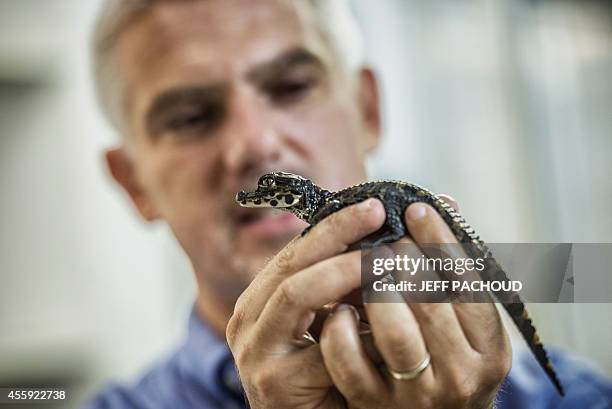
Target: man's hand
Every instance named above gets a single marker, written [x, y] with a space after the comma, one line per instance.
[469, 348]
[470, 352]
[277, 367]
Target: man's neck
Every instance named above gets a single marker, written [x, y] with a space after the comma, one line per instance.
[213, 311]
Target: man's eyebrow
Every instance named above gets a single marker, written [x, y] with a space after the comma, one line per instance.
[174, 97]
[292, 58]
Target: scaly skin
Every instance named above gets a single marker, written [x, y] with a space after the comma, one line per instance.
[300, 196]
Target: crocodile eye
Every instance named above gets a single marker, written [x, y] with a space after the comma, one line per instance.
[267, 182]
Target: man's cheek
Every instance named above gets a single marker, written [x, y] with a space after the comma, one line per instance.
[327, 127]
[177, 177]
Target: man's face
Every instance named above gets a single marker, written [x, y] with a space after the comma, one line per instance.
[219, 92]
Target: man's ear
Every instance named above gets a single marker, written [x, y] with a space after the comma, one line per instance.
[122, 169]
[369, 102]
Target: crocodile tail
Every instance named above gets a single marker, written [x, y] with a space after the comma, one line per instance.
[515, 308]
[521, 318]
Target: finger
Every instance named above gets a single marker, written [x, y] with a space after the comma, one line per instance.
[449, 200]
[434, 237]
[306, 369]
[482, 326]
[426, 225]
[291, 309]
[350, 369]
[443, 336]
[478, 316]
[332, 236]
[367, 340]
[400, 342]
[480, 322]
[418, 275]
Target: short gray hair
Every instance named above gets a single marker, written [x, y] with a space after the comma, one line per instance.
[334, 17]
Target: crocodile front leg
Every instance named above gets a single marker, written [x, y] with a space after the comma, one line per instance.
[329, 208]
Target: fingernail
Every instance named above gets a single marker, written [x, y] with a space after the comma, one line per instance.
[416, 211]
[347, 307]
[365, 205]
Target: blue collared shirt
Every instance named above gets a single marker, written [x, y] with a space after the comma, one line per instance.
[201, 374]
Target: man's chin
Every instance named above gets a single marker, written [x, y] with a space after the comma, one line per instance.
[270, 224]
[267, 247]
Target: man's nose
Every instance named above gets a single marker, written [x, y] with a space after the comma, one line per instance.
[251, 142]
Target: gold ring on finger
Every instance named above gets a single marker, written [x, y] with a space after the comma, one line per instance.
[410, 373]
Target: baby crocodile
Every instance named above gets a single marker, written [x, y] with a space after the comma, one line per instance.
[309, 202]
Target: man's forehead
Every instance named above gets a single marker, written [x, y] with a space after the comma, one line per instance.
[214, 33]
[172, 20]
[209, 40]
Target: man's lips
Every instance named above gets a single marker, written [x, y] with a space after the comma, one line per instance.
[262, 223]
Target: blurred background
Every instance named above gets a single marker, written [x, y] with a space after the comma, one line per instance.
[505, 104]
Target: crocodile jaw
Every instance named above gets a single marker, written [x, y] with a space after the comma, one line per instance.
[272, 200]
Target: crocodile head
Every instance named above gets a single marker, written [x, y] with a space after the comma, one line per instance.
[284, 191]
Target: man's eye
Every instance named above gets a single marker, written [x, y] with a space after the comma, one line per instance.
[290, 91]
[198, 120]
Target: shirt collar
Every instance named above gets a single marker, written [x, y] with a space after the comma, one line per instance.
[207, 358]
